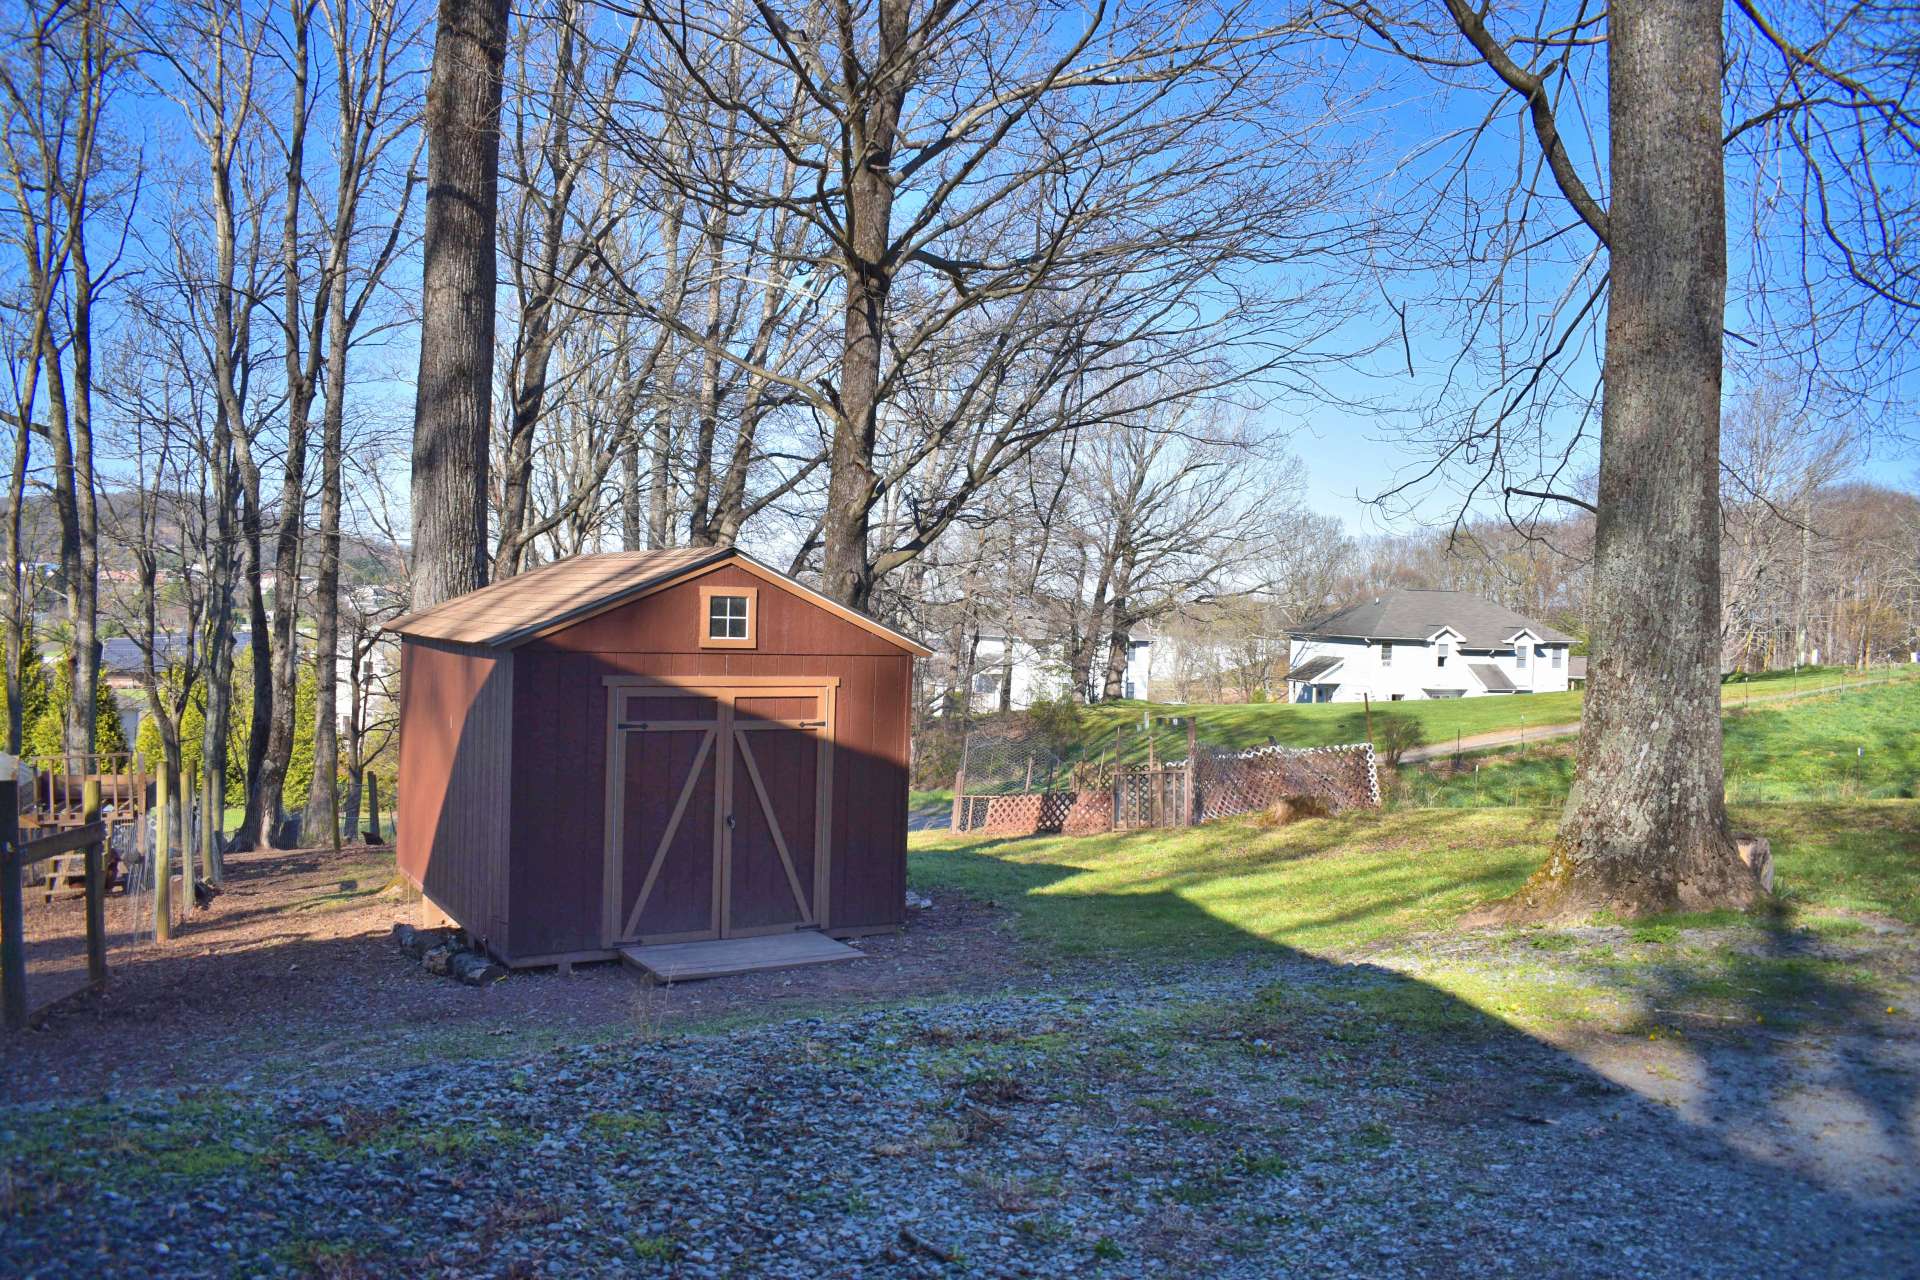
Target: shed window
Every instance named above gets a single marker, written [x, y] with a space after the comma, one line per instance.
[1386, 655]
[1556, 658]
[1520, 657]
[1440, 654]
[727, 617]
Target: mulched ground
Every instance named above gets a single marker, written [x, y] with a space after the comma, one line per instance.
[1250, 1118]
[289, 972]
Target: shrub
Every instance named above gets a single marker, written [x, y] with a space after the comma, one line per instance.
[1394, 736]
[1056, 721]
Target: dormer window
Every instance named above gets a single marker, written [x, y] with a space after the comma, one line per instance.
[1440, 654]
[727, 617]
[1520, 656]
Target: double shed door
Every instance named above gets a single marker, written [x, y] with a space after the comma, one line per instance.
[717, 807]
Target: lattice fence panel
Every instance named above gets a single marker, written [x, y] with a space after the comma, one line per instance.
[1231, 783]
[1035, 813]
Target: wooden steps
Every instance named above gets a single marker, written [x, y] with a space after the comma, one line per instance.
[686, 961]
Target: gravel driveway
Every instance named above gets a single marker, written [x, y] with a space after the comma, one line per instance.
[1238, 1119]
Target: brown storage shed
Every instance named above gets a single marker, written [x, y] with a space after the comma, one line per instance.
[652, 746]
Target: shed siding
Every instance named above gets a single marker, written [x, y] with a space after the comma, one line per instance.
[456, 771]
[560, 710]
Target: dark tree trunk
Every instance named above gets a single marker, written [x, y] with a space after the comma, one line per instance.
[259, 647]
[867, 266]
[1117, 641]
[454, 391]
[323, 794]
[1645, 828]
[19, 606]
[631, 538]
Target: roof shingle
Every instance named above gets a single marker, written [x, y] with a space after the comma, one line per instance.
[1410, 614]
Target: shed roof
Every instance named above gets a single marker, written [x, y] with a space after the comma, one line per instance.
[517, 609]
[1409, 614]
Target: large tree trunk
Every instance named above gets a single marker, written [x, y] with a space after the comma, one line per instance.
[1645, 828]
[847, 569]
[454, 391]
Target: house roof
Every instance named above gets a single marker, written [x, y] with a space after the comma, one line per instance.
[515, 610]
[1313, 670]
[122, 655]
[1409, 614]
[1492, 678]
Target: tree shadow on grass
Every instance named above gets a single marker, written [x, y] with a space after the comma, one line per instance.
[1758, 1103]
[1342, 1073]
[1792, 1030]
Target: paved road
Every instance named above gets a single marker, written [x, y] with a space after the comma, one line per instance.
[931, 818]
[1542, 732]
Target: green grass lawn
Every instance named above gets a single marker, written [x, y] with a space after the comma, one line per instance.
[1389, 888]
[1327, 724]
[1336, 884]
[1859, 744]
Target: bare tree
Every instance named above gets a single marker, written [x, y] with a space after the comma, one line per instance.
[376, 115]
[70, 187]
[996, 209]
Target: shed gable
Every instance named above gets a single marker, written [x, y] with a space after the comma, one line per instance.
[672, 618]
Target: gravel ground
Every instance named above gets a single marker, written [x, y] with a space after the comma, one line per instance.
[289, 974]
[1244, 1119]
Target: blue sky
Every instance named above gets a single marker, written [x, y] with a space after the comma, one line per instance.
[1348, 455]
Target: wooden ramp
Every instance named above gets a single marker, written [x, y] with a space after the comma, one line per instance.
[685, 961]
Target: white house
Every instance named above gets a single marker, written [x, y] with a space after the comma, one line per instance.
[1411, 644]
[1035, 672]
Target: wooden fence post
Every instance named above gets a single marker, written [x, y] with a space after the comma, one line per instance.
[13, 943]
[96, 885]
[1193, 753]
[960, 782]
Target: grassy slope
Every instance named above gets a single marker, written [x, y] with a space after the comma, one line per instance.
[1336, 884]
[1851, 745]
[1324, 724]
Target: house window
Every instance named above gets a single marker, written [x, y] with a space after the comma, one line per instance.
[1557, 654]
[1440, 654]
[1386, 655]
[987, 682]
[1520, 657]
[727, 617]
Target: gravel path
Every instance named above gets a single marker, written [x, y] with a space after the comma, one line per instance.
[1244, 1119]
